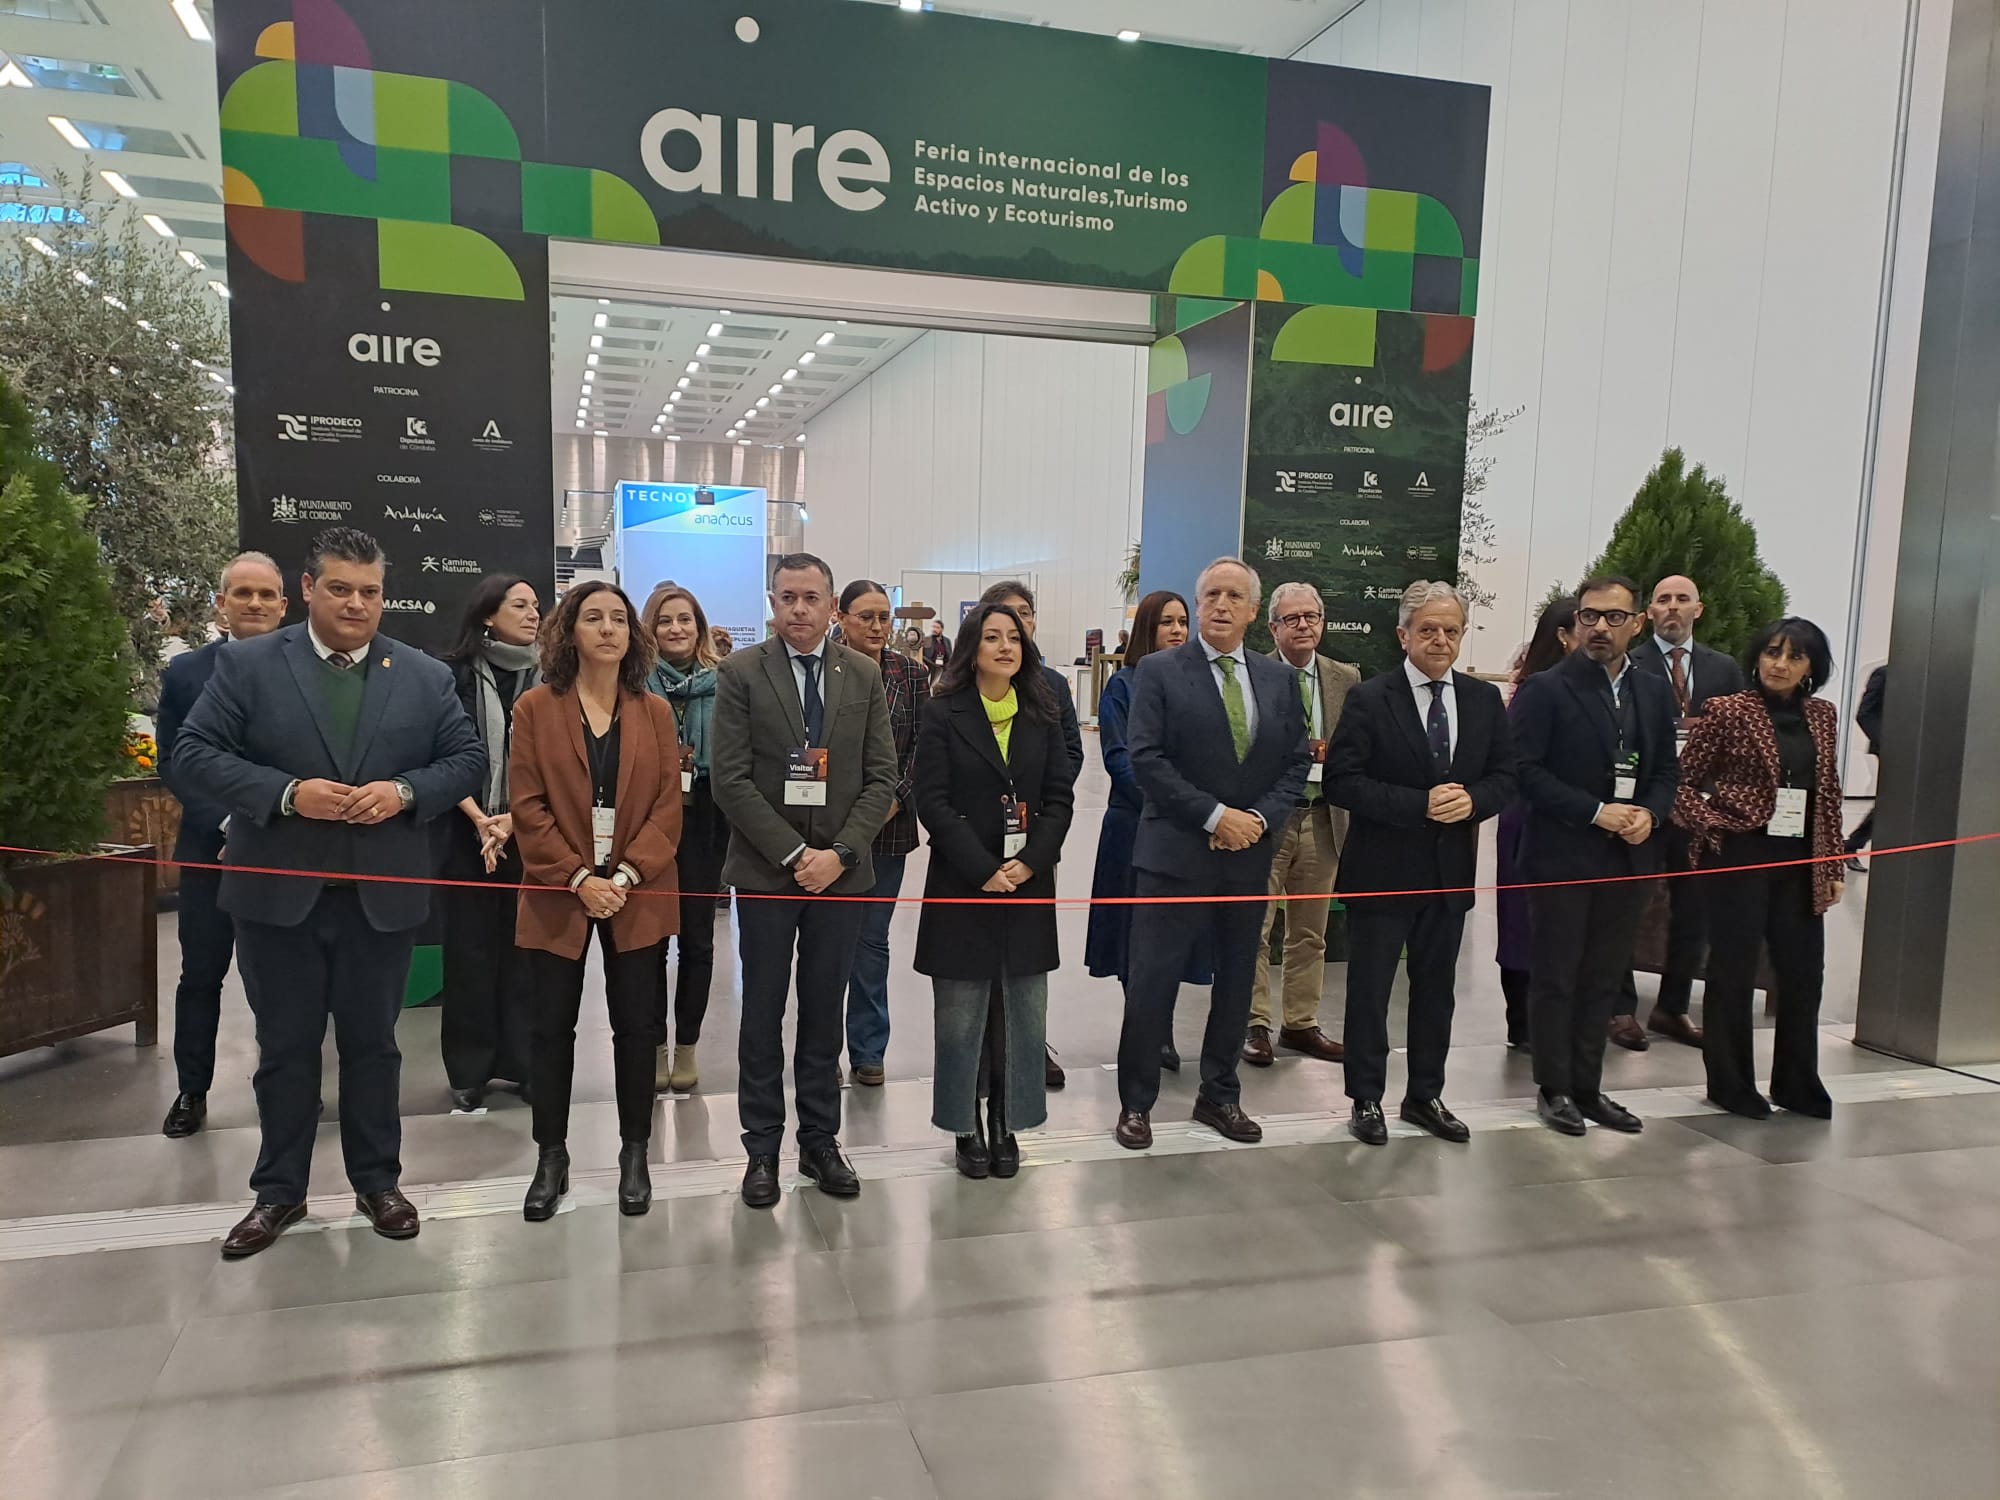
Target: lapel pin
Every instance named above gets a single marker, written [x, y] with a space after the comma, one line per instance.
[385, 663]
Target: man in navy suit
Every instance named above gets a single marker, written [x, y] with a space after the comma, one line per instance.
[250, 603]
[1421, 758]
[331, 747]
[1219, 749]
[1595, 736]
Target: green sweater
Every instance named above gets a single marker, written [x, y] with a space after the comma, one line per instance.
[343, 688]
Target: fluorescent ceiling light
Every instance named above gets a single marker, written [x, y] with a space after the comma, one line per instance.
[219, 289]
[597, 341]
[804, 514]
[910, 4]
[602, 320]
[159, 226]
[36, 242]
[701, 351]
[743, 442]
[802, 437]
[591, 360]
[715, 330]
[791, 374]
[825, 338]
[725, 313]
[808, 357]
[194, 260]
[842, 322]
[656, 429]
[11, 77]
[118, 183]
[603, 301]
[774, 390]
[69, 132]
[1128, 35]
[682, 383]
[80, 276]
[191, 21]
[673, 437]
[763, 401]
[692, 367]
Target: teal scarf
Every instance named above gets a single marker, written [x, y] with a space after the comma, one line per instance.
[692, 698]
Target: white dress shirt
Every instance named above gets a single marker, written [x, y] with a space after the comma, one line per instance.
[323, 651]
[795, 656]
[1421, 686]
[1667, 651]
[1242, 659]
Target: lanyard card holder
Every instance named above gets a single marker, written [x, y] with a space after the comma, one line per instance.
[1788, 814]
[1625, 776]
[1014, 826]
[602, 821]
[687, 773]
[1317, 771]
[805, 777]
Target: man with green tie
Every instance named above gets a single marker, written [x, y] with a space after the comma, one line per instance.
[1309, 849]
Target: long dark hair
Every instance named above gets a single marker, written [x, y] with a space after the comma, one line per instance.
[1146, 624]
[1031, 687]
[1545, 648]
[487, 596]
[1805, 638]
[559, 656]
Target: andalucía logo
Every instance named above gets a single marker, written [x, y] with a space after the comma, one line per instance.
[492, 440]
[415, 515]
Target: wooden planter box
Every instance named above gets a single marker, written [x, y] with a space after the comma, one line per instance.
[142, 811]
[79, 949]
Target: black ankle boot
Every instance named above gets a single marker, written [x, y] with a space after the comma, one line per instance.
[1001, 1146]
[971, 1158]
[635, 1181]
[550, 1182]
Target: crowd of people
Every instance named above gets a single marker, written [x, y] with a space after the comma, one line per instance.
[606, 776]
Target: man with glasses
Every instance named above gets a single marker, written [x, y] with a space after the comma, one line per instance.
[1309, 848]
[1598, 772]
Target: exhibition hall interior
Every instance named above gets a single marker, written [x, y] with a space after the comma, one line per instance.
[876, 748]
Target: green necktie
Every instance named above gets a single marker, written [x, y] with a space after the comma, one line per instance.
[1232, 705]
[1312, 732]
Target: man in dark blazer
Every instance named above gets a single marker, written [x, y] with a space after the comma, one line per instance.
[332, 747]
[1696, 674]
[1868, 718]
[804, 768]
[1421, 758]
[250, 603]
[1218, 744]
[1595, 737]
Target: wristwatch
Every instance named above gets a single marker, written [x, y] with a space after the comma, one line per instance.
[622, 880]
[848, 858]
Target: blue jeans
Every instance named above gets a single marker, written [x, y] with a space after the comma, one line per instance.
[868, 982]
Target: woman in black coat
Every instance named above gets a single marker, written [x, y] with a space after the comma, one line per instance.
[994, 789]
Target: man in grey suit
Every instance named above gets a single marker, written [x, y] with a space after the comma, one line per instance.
[331, 747]
[1219, 749]
[804, 769]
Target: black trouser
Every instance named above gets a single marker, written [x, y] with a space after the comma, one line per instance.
[1514, 987]
[488, 1007]
[1749, 909]
[1687, 936]
[207, 937]
[1377, 932]
[698, 861]
[1863, 835]
[336, 964]
[1163, 939]
[1583, 940]
[632, 995]
[824, 934]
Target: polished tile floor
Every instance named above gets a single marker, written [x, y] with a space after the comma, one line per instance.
[1714, 1308]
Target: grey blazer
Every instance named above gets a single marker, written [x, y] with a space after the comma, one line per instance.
[758, 723]
[262, 723]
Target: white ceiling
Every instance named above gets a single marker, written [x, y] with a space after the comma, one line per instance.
[1268, 28]
[642, 384]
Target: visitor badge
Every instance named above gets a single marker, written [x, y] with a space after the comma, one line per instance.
[687, 770]
[1318, 768]
[1788, 814]
[687, 783]
[805, 777]
[601, 821]
[1013, 827]
[1625, 777]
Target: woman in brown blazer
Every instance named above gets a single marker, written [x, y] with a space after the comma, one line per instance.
[1768, 755]
[596, 786]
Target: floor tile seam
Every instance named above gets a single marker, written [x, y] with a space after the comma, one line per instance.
[144, 1403]
[1871, 1284]
[1829, 1184]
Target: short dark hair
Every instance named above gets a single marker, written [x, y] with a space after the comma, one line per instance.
[1610, 581]
[1005, 589]
[856, 589]
[487, 596]
[559, 659]
[346, 544]
[801, 562]
[1031, 685]
[1805, 638]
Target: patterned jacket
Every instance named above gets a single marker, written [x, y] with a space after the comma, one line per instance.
[1734, 750]
[907, 684]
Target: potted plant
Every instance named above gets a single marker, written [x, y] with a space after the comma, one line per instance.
[138, 808]
[78, 948]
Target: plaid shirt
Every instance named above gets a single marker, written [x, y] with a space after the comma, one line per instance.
[907, 685]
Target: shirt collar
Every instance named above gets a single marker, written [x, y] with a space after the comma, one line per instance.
[792, 653]
[1213, 655]
[323, 651]
[1416, 675]
[1667, 648]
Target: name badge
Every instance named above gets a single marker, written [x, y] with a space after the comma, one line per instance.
[687, 783]
[1788, 816]
[805, 777]
[1317, 771]
[687, 771]
[602, 820]
[1625, 777]
[1014, 827]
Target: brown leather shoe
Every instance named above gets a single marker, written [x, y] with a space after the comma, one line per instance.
[259, 1229]
[1053, 1075]
[1676, 1027]
[1627, 1033]
[1257, 1047]
[393, 1215]
[869, 1075]
[1312, 1042]
[1135, 1131]
[1226, 1120]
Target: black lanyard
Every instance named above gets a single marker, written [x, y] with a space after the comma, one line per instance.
[599, 753]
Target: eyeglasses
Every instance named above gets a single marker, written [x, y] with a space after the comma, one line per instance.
[1612, 617]
[1303, 617]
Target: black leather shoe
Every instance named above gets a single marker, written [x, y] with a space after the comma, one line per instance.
[1053, 1075]
[635, 1180]
[1610, 1114]
[1815, 1106]
[1226, 1120]
[185, 1116]
[1752, 1106]
[1559, 1112]
[393, 1215]
[971, 1157]
[1002, 1150]
[1431, 1115]
[1135, 1131]
[760, 1182]
[547, 1186]
[1170, 1059]
[832, 1172]
[259, 1229]
[1366, 1125]
[465, 1101]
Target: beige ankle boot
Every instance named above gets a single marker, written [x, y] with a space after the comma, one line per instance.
[684, 1077]
[663, 1077]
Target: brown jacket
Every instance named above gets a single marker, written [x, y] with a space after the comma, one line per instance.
[549, 779]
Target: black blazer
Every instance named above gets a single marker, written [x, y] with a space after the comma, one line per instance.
[960, 779]
[1567, 742]
[1072, 731]
[200, 839]
[1868, 714]
[1716, 675]
[1185, 763]
[1379, 768]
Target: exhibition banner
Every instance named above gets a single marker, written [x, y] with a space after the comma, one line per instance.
[709, 539]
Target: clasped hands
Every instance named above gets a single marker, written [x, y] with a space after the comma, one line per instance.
[336, 802]
[1009, 878]
[1449, 803]
[600, 897]
[1632, 824]
[493, 835]
[1236, 830]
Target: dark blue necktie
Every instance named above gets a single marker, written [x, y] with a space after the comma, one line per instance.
[1437, 729]
[815, 709]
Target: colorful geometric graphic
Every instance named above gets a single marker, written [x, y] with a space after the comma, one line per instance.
[315, 130]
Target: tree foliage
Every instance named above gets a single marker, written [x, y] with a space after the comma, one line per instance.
[1478, 537]
[1683, 521]
[63, 680]
[118, 350]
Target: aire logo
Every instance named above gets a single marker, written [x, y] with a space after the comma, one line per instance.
[846, 158]
[1361, 414]
[393, 349]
